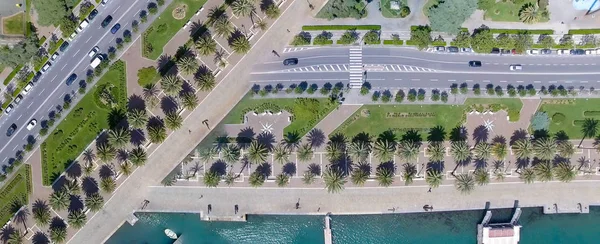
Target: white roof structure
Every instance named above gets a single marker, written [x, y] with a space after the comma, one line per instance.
[501, 234]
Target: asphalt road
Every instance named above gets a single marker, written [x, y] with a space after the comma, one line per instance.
[51, 89]
[406, 67]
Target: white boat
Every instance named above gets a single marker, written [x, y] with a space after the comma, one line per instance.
[171, 234]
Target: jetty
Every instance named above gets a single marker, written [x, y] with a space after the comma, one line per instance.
[327, 230]
[566, 208]
[499, 233]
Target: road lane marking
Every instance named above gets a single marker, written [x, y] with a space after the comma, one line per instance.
[415, 79]
[397, 79]
[502, 81]
[584, 81]
[76, 52]
[519, 81]
[433, 79]
[29, 105]
[43, 90]
[451, 80]
[20, 116]
[118, 7]
[15, 147]
[89, 39]
[25, 137]
[53, 78]
[63, 67]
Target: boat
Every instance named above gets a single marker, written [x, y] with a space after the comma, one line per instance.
[171, 234]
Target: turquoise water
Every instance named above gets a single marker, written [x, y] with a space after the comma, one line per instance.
[430, 228]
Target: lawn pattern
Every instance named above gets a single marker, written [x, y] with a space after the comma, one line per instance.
[18, 188]
[575, 111]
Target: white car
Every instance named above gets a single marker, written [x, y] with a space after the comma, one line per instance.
[27, 88]
[440, 49]
[591, 52]
[516, 67]
[46, 67]
[93, 52]
[563, 52]
[466, 50]
[31, 124]
[54, 56]
[82, 25]
[533, 52]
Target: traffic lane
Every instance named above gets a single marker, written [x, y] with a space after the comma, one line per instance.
[312, 51]
[277, 65]
[296, 77]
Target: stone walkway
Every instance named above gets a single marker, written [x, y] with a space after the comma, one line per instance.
[336, 118]
[135, 61]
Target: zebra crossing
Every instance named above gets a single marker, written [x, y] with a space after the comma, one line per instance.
[321, 68]
[356, 67]
[397, 68]
[296, 49]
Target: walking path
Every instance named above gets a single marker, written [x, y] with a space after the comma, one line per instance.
[336, 118]
[135, 61]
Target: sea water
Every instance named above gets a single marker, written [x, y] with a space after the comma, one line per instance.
[429, 228]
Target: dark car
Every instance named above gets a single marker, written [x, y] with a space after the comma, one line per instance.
[115, 28]
[452, 49]
[106, 21]
[495, 51]
[64, 46]
[475, 63]
[93, 14]
[546, 51]
[505, 51]
[71, 78]
[290, 61]
[11, 130]
[577, 51]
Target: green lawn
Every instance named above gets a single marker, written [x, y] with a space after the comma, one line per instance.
[428, 5]
[165, 27]
[507, 11]
[87, 119]
[375, 119]
[18, 188]
[513, 105]
[307, 112]
[14, 25]
[575, 111]
[389, 13]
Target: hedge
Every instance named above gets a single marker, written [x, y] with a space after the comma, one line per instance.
[518, 31]
[584, 31]
[42, 40]
[326, 42]
[340, 27]
[393, 42]
[12, 74]
[39, 66]
[438, 43]
[58, 44]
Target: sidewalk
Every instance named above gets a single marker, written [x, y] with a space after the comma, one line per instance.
[334, 119]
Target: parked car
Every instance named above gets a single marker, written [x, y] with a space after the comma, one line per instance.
[290, 61]
[9, 108]
[82, 25]
[115, 28]
[440, 48]
[93, 14]
[106, 21]
[591, 52]
[104, 2]
[533, 52]
[453, 49]
[546, 51]
[11, 130]
[475, 63]
[64, 46]
[466, 50]
[577, 52]
[495, 51]
[93, 52]
[562, 52]
[71, 78]
[46, 67]
[54, 56]
[27, 88]
[18, 99]
[504, 51]
[516, 67]
[31, 124]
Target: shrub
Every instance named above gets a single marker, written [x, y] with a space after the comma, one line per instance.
[323, 39]
[540, 121]
[349, 37]
[343, 9]
[404, 11]
[340, 27]
[372, 37]
[301, 39]
[375, 96]
[558, 118]
[420, 37]
[399, 96]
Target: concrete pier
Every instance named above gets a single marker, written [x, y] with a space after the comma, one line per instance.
[327, 230]
[566, 208]
[502, 233]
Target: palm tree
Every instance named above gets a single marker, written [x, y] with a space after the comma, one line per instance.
[242, 7]
[205, 81]
[464, 183]
[262, 24]
[409, 173]
[334, 151]
[257, 152]
[71, 187]
[523, 148]
[385, 176]
[119, 137]
[108, 184]
[41, 212]
[229, 179]
[359, 176]
[76, 219]
[530, 13]
[282, 180]
[211, 179]
[528, 175]
[88, 156]
[137, 118]
[241, 45]
[138, 156]
[156, 133]
[272, 11]
[207, 154]
[384, 150]
[308, 177]
[589, 128]
[436, 151]
[94, 201]
[173, 120]
[483, 151]
[106, 152]
[231, 153]
[482, 177]
[434, 178]
[565, 172]
[126, 168]
[206, 45]
[544, 148]
[223, 27]
[281, 154]
[171, 84]
[334, 180]
[256, 179]
[189, 100]
[22, 214]
[460, 151]
[305, 152]
[187, 65]
[15, 237]
[58, 234]
[544, 171]
[408, 150]
[150, 95]
[359, 151]
[59, 200]
[566, 149]
[291, 140]
[499, 150]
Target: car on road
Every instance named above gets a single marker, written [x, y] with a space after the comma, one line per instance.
[577, 52]
[11, 130]
[466, 50]
[562, 52]
[96, 61]
[106, 21]
[440, 49]
[8, 109]
[290, 61]
[475, 63]
[64, 46]
[104, 2]
[546, 51]
[27, 88]
[115, 28]
[54, 56]
[93, 14]
[31, 124]
[591, 52]
[516, 67]
[495, 51]
[533, 52]
[72, 37]
[453, 49]
[46, 67]
[71, 78]
[93, 52]
[505, 51]
[18, 99]
[83, 25]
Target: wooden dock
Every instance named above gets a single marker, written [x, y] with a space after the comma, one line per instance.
[327, 230]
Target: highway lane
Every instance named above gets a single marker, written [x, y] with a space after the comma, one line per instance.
[51, 89]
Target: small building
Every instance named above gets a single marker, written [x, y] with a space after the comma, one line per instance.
[502, 233]
[395, 5]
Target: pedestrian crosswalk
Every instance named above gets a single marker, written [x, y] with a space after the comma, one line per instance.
[356, 67]
[321, 68]
[396, 68]
[296, 49]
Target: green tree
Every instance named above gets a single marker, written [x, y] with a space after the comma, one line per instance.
[50, 12]
[173, 120]
[463, 39]
[565, 149]
[241, 45]
[242, 8]
[434, 178]
[157, 133]
[171, 84]
[540, 121]
[119, 137]
[281, 154]
[58, 233]
[546, 41]
[206, 45]
[76, 219]
[300, 40]
[483, 41]
[523, 42]
[15, 237]
[334, 180]
[384, 176]
[223, 27]
[421, 37]
[408, 173]
[137, 118]
[187, 65]
[465, 183]
[205, 81]
[436, 151]
[282, 180]
[359, 176]
[408, 150]
[460, 151]
[523, 148]
[189, 100]
[105, 152]
[256, 179]
[41, 212]
[482, 177]
[60, 200]
[565, 172]
[211, 179]
[138, 156]
[384, 150]
[334, 151]
[272, 11]
[359, 151]
[257, 152]
[530, 13]
[528, 175]
[544, 148]
[305, 152]
[505, 41]
[262, 24]
[544, 171]
[483, 151]
[150, 95]
[108, 184]
[448, 16]
[94, 202]
[230, 153]
[372, 37]
[67, 26]
[589, 129]
[499, 150]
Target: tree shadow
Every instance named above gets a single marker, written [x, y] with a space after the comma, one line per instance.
[245, 137]
[316, 137]
[266, 139]
[387, 135]
[338, 138]
[289, 169]
[186, 87]
[364, 167]
[156, 121]
[74, 171]
[122, 155]
[499, 139]
[264, 4]
[391, 166]
[117, 118]
[411, 136]
[459, 133]
[59, 183]
[166, 65]
[57, 222]
[75, 203]
[135, 102]
[480, 163]
[6, 232]
[362, 137]
[89, 186]
[541, 134]
[519, 134]
[436, 134]
[561, 136]
[137, 137]
[168, 104]
[219, 167]
[291, 139]
[183, 51]
[480, 134]
[234, 35]
[436, 165]
[264, 169]
[105, 172]
[201, 71]
[198, 29]
[314, 169]
[40, 238]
